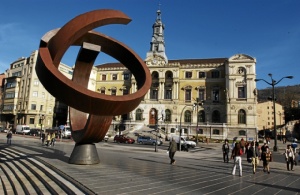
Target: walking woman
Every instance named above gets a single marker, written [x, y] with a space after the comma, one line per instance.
[237, 159]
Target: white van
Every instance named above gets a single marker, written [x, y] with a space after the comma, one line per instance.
[23, 129]
[66, 132]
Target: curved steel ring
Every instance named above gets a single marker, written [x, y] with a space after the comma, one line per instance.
[75, 93]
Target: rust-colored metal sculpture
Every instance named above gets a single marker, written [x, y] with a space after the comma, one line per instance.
[90, 112]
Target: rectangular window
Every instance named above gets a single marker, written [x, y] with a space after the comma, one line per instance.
[114, 77]
[8, 107]
[9, 95]
[113, 92]
[201, 94]
[216, 95]
[188, 95]
[125, 92]
[188, 75]
[168, 94]
[36, 82]
[35, 94]
[102, 91]
[154, 95]
[126, 77]
[17, 74]
[11, 85]
[43, 95]
[241, 92]
[103, 77]
[31, 121]
[33, 106]
[201, 75]
[41, 107]
[215, 74]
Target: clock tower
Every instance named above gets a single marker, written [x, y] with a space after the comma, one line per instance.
[157, 56]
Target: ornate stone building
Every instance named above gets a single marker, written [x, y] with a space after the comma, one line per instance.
[215, 96]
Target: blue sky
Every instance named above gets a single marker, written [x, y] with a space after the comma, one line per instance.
[268, 30]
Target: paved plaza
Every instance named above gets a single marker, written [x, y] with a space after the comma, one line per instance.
[135, 169]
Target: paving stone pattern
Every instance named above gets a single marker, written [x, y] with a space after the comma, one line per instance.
[135, 169]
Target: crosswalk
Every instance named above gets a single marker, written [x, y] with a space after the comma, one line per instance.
[24, 174]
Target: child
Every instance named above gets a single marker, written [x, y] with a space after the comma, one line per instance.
[267, 158]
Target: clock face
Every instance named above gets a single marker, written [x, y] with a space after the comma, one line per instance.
[154, 61]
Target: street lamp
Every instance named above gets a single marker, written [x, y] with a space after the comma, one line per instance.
[273, 83]
[42, 117]
[154, 114]
[197, 104]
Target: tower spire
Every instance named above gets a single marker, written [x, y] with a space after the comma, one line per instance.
[157, 44]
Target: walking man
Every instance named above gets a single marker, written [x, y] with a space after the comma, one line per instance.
[172, 149]
[289, 157]
[9, 136]
[225, 149]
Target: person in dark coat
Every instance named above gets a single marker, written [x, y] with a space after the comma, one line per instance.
[225, 149]
[9, 136]
[172, 149]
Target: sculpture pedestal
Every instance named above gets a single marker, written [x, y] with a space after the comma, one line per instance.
[84, 154]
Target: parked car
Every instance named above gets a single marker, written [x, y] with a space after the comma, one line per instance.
[148, 140]
[123, 139]
[34, 131]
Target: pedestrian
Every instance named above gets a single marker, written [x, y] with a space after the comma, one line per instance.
[263, 148]
[253, 156]
[289, 157]
[225, 149]
[43, 136]
[172, 149]
[284, 139]
[48, 139]
[266, 157]
[9, 136]
[52, 139]
[299, 156]
[233, 144]
[294, 145]
[242, 143]
[237, 159]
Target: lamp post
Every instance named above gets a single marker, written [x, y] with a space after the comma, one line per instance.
[197, 104]
[154, 114]
[42, 117]
[273, 83]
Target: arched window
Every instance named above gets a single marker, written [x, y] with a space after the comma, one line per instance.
[187, 116]
[138, 114]
[168, 85]
[242, 117]
[216, 117]
[167, 115]
[201, 116]
[154, 86]
[242, 133]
